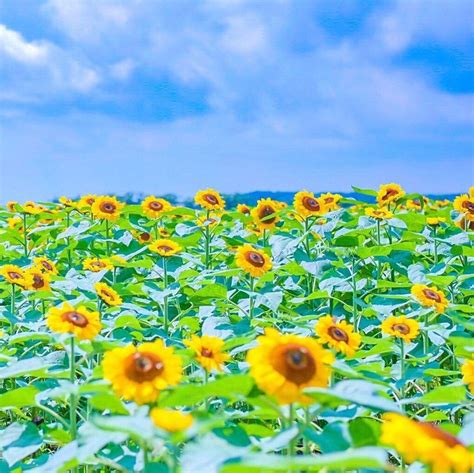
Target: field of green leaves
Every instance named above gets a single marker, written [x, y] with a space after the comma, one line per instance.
[329, 335]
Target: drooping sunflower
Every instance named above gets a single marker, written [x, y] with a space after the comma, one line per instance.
[331, 201]
[467, 370]
[171, 420]
[209, 199]
[97, 264]
[265, 214]
[252, 261]
[465, 205]
[46, 265]
[107, 294]
[154, 207]
[307, 205]
[208, 351]
[401, 327]
[16, 275]
[140, 373]
[243, 209]
[427, 443]
[79, 321]
[389, 193]
[381, 213]
[283, 365]
[40, 280]
[165, 247]
[338, 335]
[86, 201]
[430, 297]
[106, 207]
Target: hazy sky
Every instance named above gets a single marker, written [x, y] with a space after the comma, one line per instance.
[172, 96]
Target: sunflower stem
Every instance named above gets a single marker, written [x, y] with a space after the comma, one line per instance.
[107, 236]
[165, 301]
[354, 296]
[291, 419]
[435, 244]
[206, 380]
[68, 240]
[155, 227]
[402, 367]
[12, 303]
[73, 399]
[208, 241]
[379, 269]
[25, 238]
[307, 423]
[252, 300]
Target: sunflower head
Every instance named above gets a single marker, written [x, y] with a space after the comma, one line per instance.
[331, 201]
[209, 199]
[307, 205]
[11, 205]
[40, 280]
[86, 201]
[143, 236]
[46, 265]
[401, 327]
[31, 208]
[465, 205]
[379, 213]
[338, 335]
[243, 209]
[79, 321]
[283, 365]
[435, 221]
[16, 275]
[208, 351]
[165, 247]
[430, 297]
[253, 261]
[467, 371]
[389, 193]
[107, 208]
[155, 207]
[265, 214]
[140, 373]
[16, 223]
[170, 420]
[97, 264]
[107, 294]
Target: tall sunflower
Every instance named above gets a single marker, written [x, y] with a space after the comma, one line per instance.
[208, 351]
[165, 247]
[106, 207]
[155, 207]
[283, 365]
[331, 201]
[140, 373]
[465, 205]
[430, 297]
[209, 199]
[252, 261]
[107, 294]
[389, 193]
[401, 327]
[380, 213]
[265, 214]
[307, 205]
[16, 275]
[338, 335]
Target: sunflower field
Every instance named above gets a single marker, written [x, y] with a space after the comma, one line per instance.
[330, 335]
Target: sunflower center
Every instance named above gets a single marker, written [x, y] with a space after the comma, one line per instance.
[311, 204]
[14, 275]
[295, 363]
[97, 264]
[431, 295]
[38, 281]
[90, 201]
[46, 265]
[143, 366]
[107, 207]
[145, 236]
[401, 328]
[435, 432]
[389, 193]
[106, 293]
[75, 318]
[155, 205]
[338, 334]
[328, 200]
[165, 248]
[265, 213]
[211, 199]
[255, 259]
[468, 205]
[206, 352]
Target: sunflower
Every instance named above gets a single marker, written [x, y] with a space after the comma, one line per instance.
[140, 373]
[283, 365]
[107, 208]
[415, 204]
[209, 199]
[464, 224]
[389, 193]
[381, 213]
[430, 297]
[40, 279]
[143, 237]
[170, 420]
[252, 261]
[401, 327]
[67, 202]
[163, 232]
[97, 264]
[307, 205]
[154, 207]
[210, 220]
[165, 247]
[16, 223]
[107, 294]
[331, 201]
[427, 443]
[16, 275]
[31, 208]
[118, 260]
[467, 370]
[11, 205]
[338, 335]
[86, 201]
[265, 214]
[45, 265]
[465, 205]
[243, 209]
[78, 321]
[435, 221]
[208, 351]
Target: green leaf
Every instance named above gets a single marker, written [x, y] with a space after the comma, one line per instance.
[18, 441]
[364, 431]
[453, 394]
[21, 397]
[212, 291]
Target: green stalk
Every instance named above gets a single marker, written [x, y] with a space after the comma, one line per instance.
[25, 238]
[402, 366]
[107, 236]
[354, 296]
[292, 449]
[379, 269]
[307, 423]
[73, 400]
[252, 301]
[12, 303]
[68, 240]
[165, 302]
[435, 244]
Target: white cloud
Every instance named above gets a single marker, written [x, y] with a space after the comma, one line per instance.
[13, 45]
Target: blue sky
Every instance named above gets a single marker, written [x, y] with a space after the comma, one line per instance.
[163, 96]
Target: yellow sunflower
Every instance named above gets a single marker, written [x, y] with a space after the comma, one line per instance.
[97, 264]
[212, 221]
[430, 297]
[208, 351]
[86, 201]
[107, 294]
[389, 193]
[427, 443]
[16, 223]
[67, 202]
[401, 327]
[381, 213]
[170, 420]
[16, 275]
[283, 365]
[265, 214]
[338, 335]
[45, 265]
[11, 205]
[415, 204]
[165, 247]
[209, 199]
[140, 373]
[467, 370]
[154, 207]
[465, 224]
[31, 208]
[108, 208]
[307, 205]
[243, 209]
[40, 279]
[81, 322]
[163, 232]
[331, 201]
[252, 261]
[143, 237]
[465, 205]
[435, 221]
